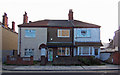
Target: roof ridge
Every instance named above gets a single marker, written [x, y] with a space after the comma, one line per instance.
[9, 29]
[66, 23]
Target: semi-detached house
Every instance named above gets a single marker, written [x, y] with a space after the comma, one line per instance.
[54, 39]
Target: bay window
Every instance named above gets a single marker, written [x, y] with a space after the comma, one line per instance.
[84, 51]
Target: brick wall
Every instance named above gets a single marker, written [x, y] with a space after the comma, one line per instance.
[20, 60]
[116, 58]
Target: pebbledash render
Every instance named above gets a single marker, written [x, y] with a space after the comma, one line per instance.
[54, 39]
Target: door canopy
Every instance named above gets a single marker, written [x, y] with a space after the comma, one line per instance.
[42, 46]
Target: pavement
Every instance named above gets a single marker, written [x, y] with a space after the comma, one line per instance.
[60, 68]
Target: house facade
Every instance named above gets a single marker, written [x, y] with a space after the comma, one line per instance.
[8, 39]
[87, 41]
[54, 39]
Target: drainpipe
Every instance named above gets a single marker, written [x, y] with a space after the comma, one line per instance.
[72, 37]
[20, 43]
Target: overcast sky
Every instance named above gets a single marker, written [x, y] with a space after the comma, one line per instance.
[99, 12]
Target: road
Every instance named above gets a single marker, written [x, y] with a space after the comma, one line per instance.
[43, 70]
[62, 73]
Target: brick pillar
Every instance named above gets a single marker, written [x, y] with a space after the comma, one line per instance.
[116, 58]
[8, 59]
[31, 60]
[43, 60]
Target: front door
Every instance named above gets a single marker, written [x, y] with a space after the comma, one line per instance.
[43, 52]
[50, 55]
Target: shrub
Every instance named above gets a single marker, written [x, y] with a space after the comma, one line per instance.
[35, 62]
[89, 61]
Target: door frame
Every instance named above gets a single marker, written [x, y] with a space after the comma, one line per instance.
[50, 50]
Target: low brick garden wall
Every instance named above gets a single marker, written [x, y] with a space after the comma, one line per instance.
[19, 60]
[116, 58]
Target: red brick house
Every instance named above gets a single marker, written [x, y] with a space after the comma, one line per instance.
[55, 40]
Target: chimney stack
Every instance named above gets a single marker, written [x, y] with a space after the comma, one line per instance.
[25, 18]
[70, 15]
[5, 20]
[13, 26]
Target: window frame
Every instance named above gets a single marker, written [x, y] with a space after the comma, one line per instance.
[96, 51]
[61, 31]
[79, 34]
[31, 32]
[65, 51]
[28, 52]
[80, 49]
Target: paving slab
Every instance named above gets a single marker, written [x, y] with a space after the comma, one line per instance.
[49, 68]
[43, 67]
[60, 68]
[101, 67]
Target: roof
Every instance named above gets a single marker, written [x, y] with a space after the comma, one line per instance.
[35, 24]
[84, 24]
[88, 44]
[111, 45]
[59, 23]
[8, 29]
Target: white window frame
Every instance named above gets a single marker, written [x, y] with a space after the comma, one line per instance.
[30, 31]
[81, 54]
[61, 30]
[79, 31]
[30, 52]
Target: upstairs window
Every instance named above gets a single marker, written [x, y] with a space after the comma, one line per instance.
[30, 33]
[83, 33]
[63, 33]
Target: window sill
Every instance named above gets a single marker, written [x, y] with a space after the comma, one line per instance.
[26, 56]
[63, 55]
[63, 37]
[85, 55]
[29, 37]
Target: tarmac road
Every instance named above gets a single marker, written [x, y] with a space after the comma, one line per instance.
[61, 73]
